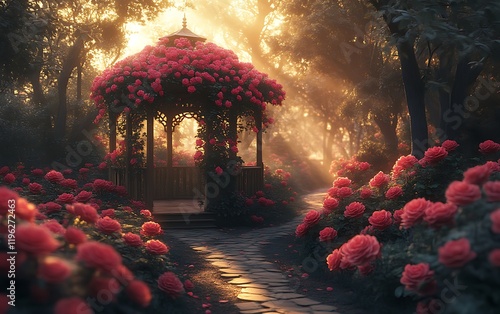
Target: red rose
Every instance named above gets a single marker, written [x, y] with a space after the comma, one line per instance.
[9, 178]
[429, 307]
[462, 193]
[52, 207]
[156, 247]
[327, 234]
[494, 258]
[110, 212]
[449, 145]
[492, 190]
[66, 198]
[312, 217]
[108, 225]
[73, 305]
[380, 219]
[341, 182]
[146, 213]
[54, 176]
[98, 255]
[132, 239]
[139, 292]
[344, 192]
[35, 239]
[405, 162]
[397, 216]
[171, 285]
[435, 154]
[393, 192]
[360, 250]
[365, 270]
[35, 188]
[413, 212]
[495, 219]
[439, 214]
[26, 210]
[83, 196]
[54, 226]
[330, 203]
[86, 212]
[101, 185]
[188, 285]
[150, 229]
[365, 193]
[75, 236]
[333, 260]
[478, 174]
[456, 253]
[379, 180]
[5, 196]
[54, 270]
[37, 172]
[333, 192]
[494, 166]
[418, 278]
[69, 183]
[301, 230]
[122, 274]
[354, 210]
[489, 147]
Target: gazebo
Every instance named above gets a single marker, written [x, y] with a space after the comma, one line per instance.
[184, 77]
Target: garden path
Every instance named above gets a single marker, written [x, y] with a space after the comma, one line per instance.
[264, 288]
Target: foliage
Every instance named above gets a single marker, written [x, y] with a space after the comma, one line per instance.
[390, 213]
[80, 202]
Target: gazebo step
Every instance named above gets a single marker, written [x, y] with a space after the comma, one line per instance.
[186, 221]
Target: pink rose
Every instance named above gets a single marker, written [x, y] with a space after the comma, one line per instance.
[327, 234]
[108, 225]
[151, 229]
[139, 292]
[379, 180]
[489, 147]
[477, 175]
[54, 270]
[333, 260]
[413, 212]
[439, 214]
[156, 247]
[35, 239]
[462, 193]
[301, 230]
[360, 250]
[171, 285]
[342, 182]
[494, 258]
[98, 255]
[393, 192]
[132, 239]
[435, 154]
[492, 191]
[312, 217]
[449, 145]
[495, 220]
[381, 219]
[418, 278]
[456, 253]
[54, 176]
[75, 236]
[354, 210]
[330, 203]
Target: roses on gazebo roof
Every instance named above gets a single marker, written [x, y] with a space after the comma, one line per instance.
[204, 75]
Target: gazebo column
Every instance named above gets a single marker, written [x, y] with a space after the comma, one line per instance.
[258, 124]
[128, 156]
[170, 152]
[112, 144]
[150, 171]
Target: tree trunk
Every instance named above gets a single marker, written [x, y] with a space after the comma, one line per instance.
[387, 126]
[71, 62]
[415, 97]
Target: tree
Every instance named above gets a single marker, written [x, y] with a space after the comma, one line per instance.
[45, 42]
[443, 44]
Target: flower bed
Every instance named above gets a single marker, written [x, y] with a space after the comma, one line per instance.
[428, 232]
[81, 245]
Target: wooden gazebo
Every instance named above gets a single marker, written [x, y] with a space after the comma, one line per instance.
[152, 86]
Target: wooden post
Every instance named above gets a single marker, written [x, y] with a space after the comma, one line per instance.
[170, 152]
[150, 171]
[128, 143]
[112, 145]
[258, 124]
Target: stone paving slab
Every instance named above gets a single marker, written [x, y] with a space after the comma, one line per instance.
[265, 289]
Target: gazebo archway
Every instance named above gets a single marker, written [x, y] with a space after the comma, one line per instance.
[182, 77]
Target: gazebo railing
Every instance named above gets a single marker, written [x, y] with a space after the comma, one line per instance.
[181, 182]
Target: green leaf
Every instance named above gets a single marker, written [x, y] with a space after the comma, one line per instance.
[399, 292]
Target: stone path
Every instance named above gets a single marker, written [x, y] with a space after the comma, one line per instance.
[264, 288]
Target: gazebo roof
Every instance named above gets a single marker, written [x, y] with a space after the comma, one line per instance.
[184, 32]
[183, 69]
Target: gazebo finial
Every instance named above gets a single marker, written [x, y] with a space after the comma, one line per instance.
[184, 21]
